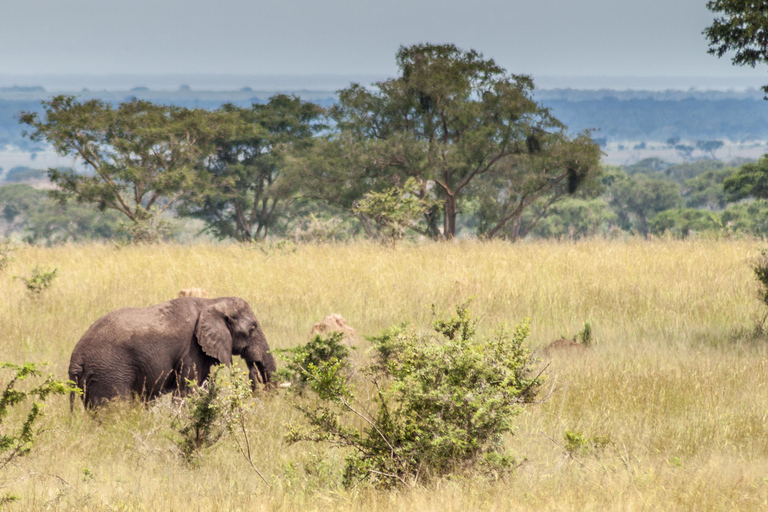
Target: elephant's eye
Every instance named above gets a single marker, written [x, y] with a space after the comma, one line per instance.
[251, 330]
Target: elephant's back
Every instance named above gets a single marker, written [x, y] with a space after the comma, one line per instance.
[136, 336]
[126, 325]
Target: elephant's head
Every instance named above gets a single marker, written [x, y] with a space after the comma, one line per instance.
[227, 327]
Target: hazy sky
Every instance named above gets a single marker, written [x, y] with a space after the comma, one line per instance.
[538, 37]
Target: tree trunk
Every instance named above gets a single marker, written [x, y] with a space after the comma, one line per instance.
[449, 219]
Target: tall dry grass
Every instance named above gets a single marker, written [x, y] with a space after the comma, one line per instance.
[674, 382]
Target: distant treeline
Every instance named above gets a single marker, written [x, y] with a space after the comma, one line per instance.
[614, 115]
[658, 120]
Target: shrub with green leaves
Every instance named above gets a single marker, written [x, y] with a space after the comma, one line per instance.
[441, 401]
[394, 210]
[301, 360]
[18, 440]
[577, 444]
[40, 280]
[585, 335]
[206, 412]
[214, 410]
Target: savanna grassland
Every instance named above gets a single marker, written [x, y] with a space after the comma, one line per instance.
[675, 386]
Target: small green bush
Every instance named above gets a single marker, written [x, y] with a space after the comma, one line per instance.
[212, 411]
[576, 443]
[441, 402]
[40, 281]
[300, 360]
[394, 210]
[585, 335]
[208, 411]
[17, 441]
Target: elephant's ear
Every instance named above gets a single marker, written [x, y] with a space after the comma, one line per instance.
[212, 332]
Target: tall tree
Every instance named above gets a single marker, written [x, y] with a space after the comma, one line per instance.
[742, 28]
[244, 187]
[138, 158]
[749, 181]
[638, 199]
[450, 119]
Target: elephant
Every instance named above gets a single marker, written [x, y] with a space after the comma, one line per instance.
[154, 350]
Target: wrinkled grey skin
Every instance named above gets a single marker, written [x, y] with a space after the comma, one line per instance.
[151, 351]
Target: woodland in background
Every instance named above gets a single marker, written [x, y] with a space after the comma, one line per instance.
[459, 130]
[452, 147]
[650, 197]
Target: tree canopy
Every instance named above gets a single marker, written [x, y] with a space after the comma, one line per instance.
[450, 119]
[244, 184]
[751, 180]
[742, 28]
[137, 158]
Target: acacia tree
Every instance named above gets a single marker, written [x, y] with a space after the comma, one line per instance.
[244, 189]
[138, 158]
[535, 183]
[742, 28]
[450, 119]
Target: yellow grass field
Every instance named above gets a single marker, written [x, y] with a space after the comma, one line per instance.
[673, 381]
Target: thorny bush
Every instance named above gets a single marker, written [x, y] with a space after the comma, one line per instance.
[442, 402]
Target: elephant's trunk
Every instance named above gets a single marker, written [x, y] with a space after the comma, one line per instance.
[261, 371]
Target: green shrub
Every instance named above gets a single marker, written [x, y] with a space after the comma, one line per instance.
[321, 349]
[441, 401]
[585, 335]
[576, 443]
[39, 281]
[17, 441]
[212, 411]
[207, 412]
[394, 210]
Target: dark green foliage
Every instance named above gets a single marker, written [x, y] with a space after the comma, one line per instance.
[140, 157]
[451, 120]
[760, 267]
[685, 221]
[300, 361]
[751, 180]
[638, 199]
[36, 218]
[245, 190]
[747, 217]
[585, 335]
[440, 402]
[706, 190]
[211, 411]
[572, 218]
[394, 210]
[741, 28]
[679, 173]
[18, 441]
